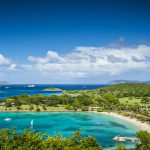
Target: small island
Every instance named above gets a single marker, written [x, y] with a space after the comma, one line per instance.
[53, 89]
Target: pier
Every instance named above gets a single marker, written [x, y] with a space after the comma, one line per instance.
[123, 139]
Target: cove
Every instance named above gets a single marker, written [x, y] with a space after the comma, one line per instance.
[102, 127]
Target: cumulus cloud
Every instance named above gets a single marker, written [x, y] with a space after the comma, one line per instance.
[50, 58]
[3, 60]
[93, 61]
[6, 64]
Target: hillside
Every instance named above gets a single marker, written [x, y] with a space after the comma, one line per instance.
[127, 89]
[120, 90]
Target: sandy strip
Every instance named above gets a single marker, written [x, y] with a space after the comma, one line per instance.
[139, 124]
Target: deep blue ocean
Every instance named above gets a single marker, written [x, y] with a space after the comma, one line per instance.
[18, 89]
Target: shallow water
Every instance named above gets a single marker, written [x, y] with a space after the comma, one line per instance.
[102, 127]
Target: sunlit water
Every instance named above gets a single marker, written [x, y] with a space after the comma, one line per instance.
[102, 127]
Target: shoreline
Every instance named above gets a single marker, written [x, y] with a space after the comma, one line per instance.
[142, 126]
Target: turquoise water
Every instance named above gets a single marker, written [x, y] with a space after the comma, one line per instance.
[102, 127]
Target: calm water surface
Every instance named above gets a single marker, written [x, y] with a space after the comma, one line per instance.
[102, 127]
[13, 90]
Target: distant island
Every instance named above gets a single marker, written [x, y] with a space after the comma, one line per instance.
[53, 89]
[127, 81]
[4, 82]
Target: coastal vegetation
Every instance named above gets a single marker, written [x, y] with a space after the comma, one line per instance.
[129, 99]
[120, 90]
[29, 140]
[144, 138]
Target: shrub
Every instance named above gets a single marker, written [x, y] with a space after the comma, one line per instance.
[84, 108]
[44, 107]
[31, 108]
[99, 109]
[120, 147]
[18, 107]
[38, 109]
[69, 107]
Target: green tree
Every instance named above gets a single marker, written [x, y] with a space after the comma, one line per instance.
[8, 103]
[38, 109]
[11, 140]
[111, 98]
[145, 100]
[144, 138]
[85, 108]
[120, 147]
[18, 107]
[44, 107]
[31, 107]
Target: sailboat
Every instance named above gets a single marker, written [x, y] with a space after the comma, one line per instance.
[32, 124]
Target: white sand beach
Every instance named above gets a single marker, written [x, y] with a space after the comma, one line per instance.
[141, 125]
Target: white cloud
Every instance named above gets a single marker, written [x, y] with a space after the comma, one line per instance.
[51, 57]
[93, 61]
[3, 60]
[6, 64]
[84, 62]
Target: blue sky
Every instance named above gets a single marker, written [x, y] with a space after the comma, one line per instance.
[77, 41]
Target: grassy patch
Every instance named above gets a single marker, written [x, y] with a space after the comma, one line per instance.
[26, 108]
[131, 101]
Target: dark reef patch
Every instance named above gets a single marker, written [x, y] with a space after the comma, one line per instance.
[82, 117]
[114, 124]
[71, 129]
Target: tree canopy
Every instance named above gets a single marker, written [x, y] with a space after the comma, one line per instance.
[11, 140]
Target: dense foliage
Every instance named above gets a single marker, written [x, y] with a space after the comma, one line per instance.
[128, 89]
[121, 90]
[144, 138]
[82, 101]
[29, 140]
[11, 140]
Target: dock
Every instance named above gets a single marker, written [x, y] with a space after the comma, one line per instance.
[124, 139]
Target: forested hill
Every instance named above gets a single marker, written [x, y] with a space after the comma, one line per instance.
[119, 90]
[127, 89]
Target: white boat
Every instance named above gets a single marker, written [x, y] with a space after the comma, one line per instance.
[7, 87]
[31, 85]
[7, 119]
